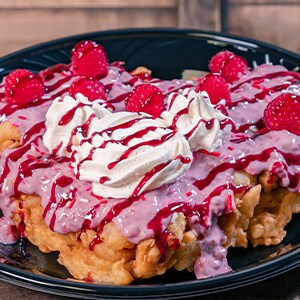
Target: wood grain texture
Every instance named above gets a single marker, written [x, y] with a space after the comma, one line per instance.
[264, 2]
[28, 27]
[277, 24]
[31, 4]
[35, 21]
[201, 14]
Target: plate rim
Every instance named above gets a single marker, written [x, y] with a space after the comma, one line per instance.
[218, 36]
[192, 288]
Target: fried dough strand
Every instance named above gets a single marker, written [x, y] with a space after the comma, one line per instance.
[115, 260]
[9, 136]
[262, 212]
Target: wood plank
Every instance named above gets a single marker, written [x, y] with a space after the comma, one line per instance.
[26, 29]
[34, 4]
[263, 2]
[277, 24]
[201, 14]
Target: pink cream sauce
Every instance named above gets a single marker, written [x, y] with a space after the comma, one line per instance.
[203, 193]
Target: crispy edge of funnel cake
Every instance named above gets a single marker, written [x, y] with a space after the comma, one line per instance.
[260, 217]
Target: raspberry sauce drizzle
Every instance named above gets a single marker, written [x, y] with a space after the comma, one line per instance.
[37, 128]
[292, 74]
[14, 156]
[49, 73]
[9, 109]
[198, 213]
[148, 176]
[83, 129]
[163, 239]
[117, 209]
[110, 130]
[68, 116]
[62, 181]
[50, 88]
[243, 163]
[152, 143]
[261, 95]
[69, 199]
[26, 170]
[113, 212]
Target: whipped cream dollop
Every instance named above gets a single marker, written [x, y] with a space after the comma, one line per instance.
[196, 118]
[65, 117]
[125, 154]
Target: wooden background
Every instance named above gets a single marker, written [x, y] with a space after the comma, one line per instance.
[27, 22]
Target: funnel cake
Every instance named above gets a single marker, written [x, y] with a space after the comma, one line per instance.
[127, 176]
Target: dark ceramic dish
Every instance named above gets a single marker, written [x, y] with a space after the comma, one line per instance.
[167, 52]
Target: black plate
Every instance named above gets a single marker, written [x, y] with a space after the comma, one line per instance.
[167, 52]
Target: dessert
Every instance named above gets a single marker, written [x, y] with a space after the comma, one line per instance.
[127, 176]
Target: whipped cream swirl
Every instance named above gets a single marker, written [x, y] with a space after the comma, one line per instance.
[125, 154]
[196, 118]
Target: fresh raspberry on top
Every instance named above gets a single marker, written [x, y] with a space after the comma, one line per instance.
[89, 87]
[218, 61]
[283, 113]
[229, 65]
[89, 59]
[145, 98]
[23, 86]
[215, 86]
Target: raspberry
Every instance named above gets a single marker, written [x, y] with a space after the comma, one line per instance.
[89, 87]
[89, 59]
[23, 86]
[217, 61]
[145, 98]
[283, 113]
[215, 86]
[229, 65]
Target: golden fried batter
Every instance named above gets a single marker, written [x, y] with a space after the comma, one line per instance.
[115, 260]
[9, 136]
[260, 216]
